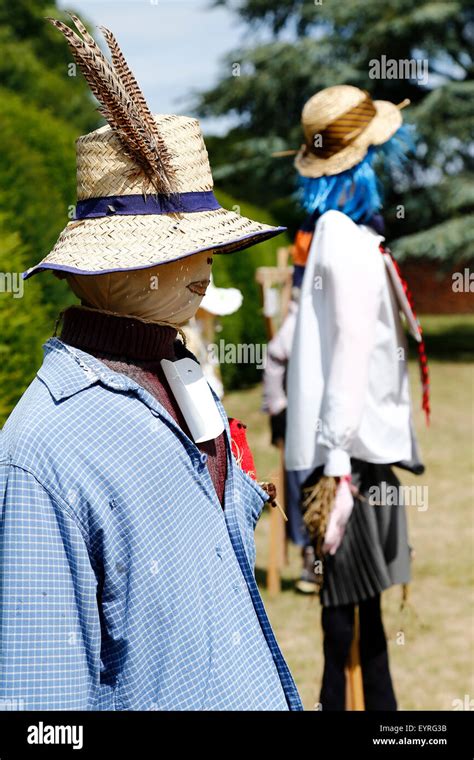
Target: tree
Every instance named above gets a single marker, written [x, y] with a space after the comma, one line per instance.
[23, 322]
[316, 45]
[238, 271]
[43, 108]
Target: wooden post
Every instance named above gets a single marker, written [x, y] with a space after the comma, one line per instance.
[268, 277]
[277, 539]
[274, 551]
[354, 684]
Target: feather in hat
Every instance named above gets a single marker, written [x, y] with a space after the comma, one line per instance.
[122, 104]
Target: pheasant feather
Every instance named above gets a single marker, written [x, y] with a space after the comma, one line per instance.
[128, 80]
[122, 104]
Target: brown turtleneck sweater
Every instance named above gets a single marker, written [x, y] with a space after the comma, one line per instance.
[135, 349]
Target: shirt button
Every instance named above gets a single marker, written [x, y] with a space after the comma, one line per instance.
[219, 551]
[203, 458]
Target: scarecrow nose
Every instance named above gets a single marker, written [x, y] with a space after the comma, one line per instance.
[199, 287]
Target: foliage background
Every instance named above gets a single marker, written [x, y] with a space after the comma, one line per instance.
[297, 47]
[42, 111]
[293, 48]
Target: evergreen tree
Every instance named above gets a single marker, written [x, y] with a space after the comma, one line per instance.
[315, 45]
[43, 108]
[23, 325]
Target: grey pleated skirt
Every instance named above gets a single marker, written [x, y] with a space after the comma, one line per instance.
[374, 553]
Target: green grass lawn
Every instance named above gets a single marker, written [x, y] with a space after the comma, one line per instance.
[434, 665]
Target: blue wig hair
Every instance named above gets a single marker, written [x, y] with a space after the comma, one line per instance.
[357, 192]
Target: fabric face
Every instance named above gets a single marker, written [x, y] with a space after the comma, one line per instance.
[165, 293]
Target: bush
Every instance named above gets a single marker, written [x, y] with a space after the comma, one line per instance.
[238, 270]
[24, 326]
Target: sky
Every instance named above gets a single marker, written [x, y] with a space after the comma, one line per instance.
[174, 47]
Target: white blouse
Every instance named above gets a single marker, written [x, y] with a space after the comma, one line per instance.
[348, 392]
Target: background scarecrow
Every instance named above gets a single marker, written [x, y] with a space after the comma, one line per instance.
[349, 412]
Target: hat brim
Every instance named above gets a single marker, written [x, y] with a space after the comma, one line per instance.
[385, 123]
[127, 242]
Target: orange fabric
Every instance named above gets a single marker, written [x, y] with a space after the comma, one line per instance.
[301, 246]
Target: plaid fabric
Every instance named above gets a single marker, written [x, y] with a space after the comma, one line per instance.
[125, 586]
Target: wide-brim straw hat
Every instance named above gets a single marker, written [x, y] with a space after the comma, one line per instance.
[144, 184]
[340, 124]
[112, 238]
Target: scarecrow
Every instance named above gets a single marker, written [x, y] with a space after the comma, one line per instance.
[127, 531]
[349, 416]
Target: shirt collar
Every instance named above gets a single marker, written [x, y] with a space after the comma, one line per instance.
[67, 370]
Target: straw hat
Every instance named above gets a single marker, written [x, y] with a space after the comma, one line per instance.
[340, 123]
[144, 184]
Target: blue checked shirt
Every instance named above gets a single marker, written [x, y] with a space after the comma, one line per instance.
[124, 585]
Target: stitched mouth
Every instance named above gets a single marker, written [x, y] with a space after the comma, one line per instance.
[199, 287]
